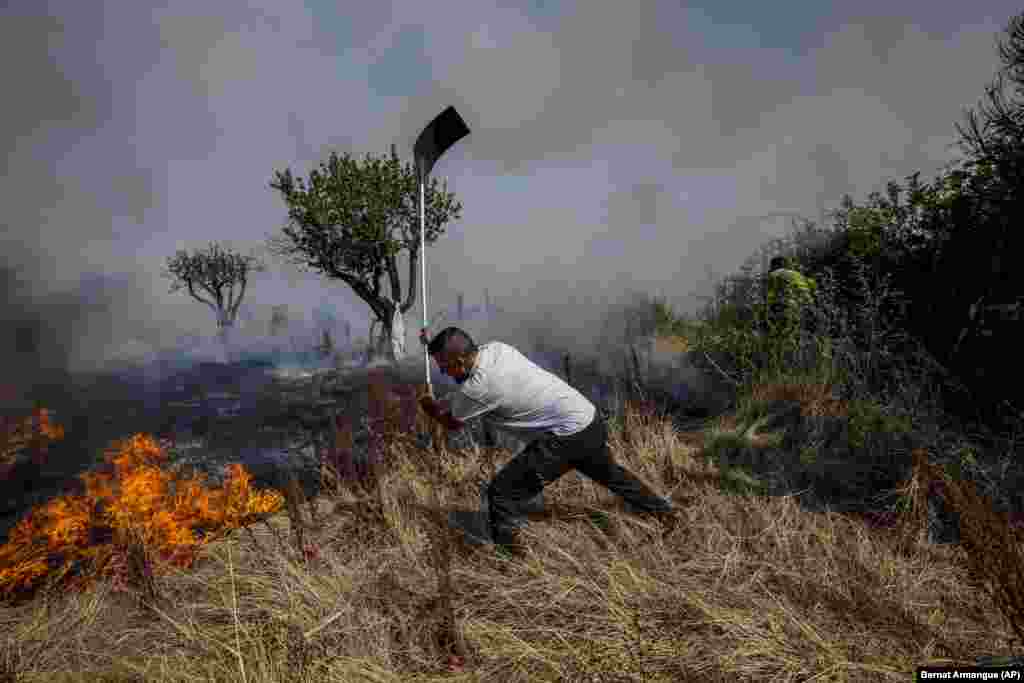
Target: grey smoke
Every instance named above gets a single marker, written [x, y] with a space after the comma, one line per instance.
[615, 146]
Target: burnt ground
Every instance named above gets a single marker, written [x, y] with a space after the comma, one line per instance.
[233, 409]
[213, 402]
[239, 412]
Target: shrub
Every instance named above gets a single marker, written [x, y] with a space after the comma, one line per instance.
[867, 418]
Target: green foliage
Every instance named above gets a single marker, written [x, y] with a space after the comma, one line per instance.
[666, 321]
[352, 218]
[994, 132]
[881, 238]
[740, 482]
[874, 294]
[864, 230]
[720, 445]
[599, 519]
[733, 315]
[903, 505]
[986, 205]
[848, 336]
[736, 347]
[966, 459]
[947, 244]
[643, 315]
[867, 418]
[940, 247]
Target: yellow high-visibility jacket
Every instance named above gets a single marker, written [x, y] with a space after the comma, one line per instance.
[788, 292]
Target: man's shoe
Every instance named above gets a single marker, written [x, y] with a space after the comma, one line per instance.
[666, 506]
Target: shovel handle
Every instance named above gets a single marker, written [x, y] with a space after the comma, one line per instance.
[426, 359]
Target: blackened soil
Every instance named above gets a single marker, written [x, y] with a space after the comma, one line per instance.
[97, 409]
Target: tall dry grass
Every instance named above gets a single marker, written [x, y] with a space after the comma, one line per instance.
[25, 437]
[368, 583]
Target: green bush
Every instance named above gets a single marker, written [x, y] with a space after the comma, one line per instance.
[736, 480]
[721, 446]
[868, 417]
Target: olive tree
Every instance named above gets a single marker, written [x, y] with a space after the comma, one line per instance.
[351, 219]
[217, 272]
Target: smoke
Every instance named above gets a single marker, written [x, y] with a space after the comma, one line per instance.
[615, 147]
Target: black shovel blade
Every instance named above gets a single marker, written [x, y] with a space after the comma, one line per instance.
[445, 130]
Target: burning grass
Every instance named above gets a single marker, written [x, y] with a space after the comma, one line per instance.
[376, 587]
[133, 515]
[31, 436]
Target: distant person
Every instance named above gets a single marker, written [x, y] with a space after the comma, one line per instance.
[788, 294]
[563, 429]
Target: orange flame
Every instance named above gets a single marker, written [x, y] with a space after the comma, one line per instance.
[138, 498]
[31, 434]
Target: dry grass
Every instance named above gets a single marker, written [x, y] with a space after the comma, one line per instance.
[814, 398]
[671, 344]
[993, 550]
[32, 435]
[374, 586]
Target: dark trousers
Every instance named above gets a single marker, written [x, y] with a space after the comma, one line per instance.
[518, 483]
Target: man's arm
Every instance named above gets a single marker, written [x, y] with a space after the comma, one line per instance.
[434, 409]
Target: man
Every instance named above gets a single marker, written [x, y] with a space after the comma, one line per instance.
[563, 429]
[787, 295]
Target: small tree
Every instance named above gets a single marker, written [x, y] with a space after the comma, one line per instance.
[352, 219]
[218, 272]
[994, 132]
[993, 138]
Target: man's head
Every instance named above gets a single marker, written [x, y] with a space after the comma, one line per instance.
[779, 262]
[454, 352]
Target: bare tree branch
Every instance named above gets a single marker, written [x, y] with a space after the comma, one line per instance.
[215, 271]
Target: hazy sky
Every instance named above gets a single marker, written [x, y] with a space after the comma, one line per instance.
[613, 145]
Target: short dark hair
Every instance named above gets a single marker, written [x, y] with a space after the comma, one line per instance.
[452, 340]
[779, 262]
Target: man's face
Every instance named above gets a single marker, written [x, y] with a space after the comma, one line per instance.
[453, 365]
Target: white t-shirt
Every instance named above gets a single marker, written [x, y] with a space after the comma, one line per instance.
[519, 396]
